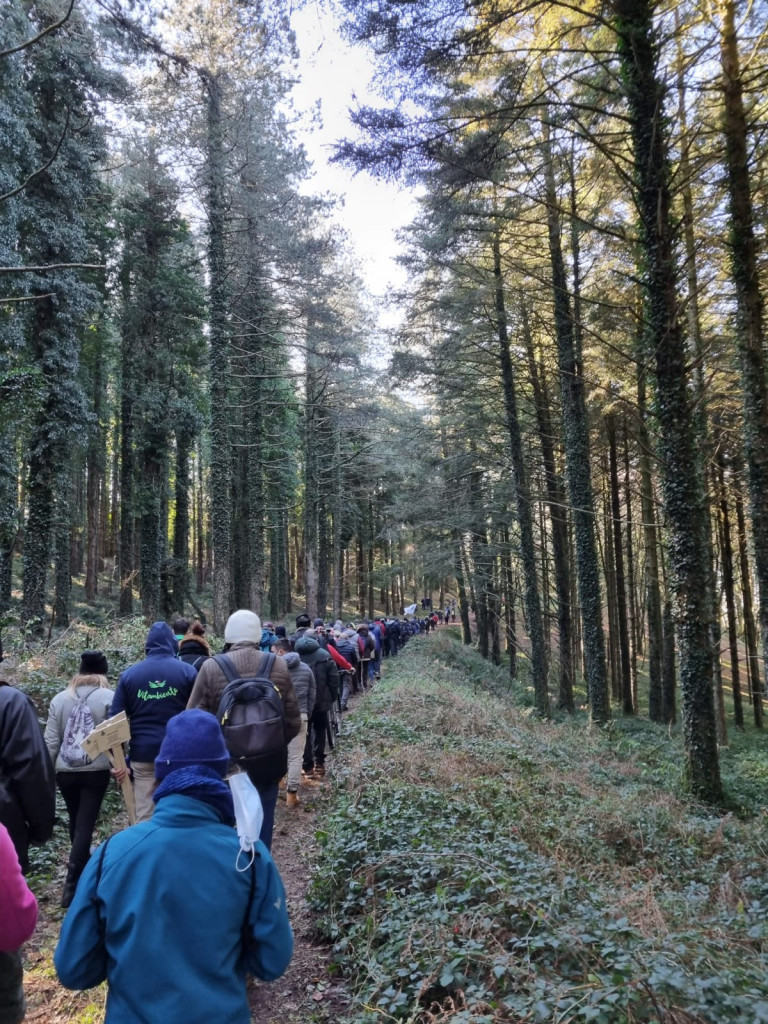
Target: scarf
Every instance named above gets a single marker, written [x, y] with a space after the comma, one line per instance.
[203, 784]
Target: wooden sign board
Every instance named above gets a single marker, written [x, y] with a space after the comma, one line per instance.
[108, 738]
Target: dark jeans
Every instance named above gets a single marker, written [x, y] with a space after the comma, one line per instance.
[83, 793]
[268, 794]
[314, 748]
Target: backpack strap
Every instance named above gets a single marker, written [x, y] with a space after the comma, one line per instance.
[266, 667]
[227, 666]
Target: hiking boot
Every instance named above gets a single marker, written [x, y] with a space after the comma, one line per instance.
[319, 772]
[70, 885]
[291, 799]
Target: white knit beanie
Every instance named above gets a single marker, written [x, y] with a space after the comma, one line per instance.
[243, 627]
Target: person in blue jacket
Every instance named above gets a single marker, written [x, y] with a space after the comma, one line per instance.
[162, 912]
[151, 692]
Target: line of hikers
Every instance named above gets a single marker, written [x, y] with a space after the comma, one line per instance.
[264, 705]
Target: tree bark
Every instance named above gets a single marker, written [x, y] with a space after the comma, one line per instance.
[683, 482]
[219, 347]
[524, 506]
[577, 457]
[749, 305]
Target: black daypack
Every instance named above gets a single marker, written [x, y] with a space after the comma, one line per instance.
[252, 717]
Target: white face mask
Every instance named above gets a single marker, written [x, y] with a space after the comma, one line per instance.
[249, 814]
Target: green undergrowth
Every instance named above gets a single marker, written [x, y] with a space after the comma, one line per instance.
[479, 865]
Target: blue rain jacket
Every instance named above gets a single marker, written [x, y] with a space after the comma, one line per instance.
[165, 925]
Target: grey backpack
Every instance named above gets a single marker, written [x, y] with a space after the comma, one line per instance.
[79, 725]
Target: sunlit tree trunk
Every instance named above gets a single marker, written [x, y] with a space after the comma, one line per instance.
[683, 484]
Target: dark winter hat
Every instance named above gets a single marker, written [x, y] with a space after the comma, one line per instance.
[192, 738]
[93, 663]
[318, 622]
[303, 621]
[280, 631]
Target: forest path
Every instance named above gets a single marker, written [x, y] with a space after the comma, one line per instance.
[306, 992]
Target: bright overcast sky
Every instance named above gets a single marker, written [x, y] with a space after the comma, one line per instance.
[335, 73]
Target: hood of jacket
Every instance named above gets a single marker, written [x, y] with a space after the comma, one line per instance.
[194, 644]
[306, 645]
[291, 659]
[160, 641]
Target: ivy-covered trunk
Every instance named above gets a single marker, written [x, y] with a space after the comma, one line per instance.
[683, 488]
[221, 459]
[749, 304]
[180, 549]
[523, 500]
[558, 516]
[622, 620]
[577, 460]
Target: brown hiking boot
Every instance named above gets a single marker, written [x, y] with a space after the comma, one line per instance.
[291, 799]
[319, 772]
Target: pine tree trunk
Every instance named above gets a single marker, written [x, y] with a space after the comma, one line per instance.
[750, 632]
[621, 582]
[458, 568]
[749, 304]
[524, 504]
[184, 445]
[633, 645]
[219, 347]
[726, 548]
[683, 482]
[8, 516]
[577, 456]
[651, 566]
[558, 517]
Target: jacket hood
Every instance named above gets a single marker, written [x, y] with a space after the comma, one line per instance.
[160, 640]
[193, 642]
[306, 644]
[291, 659]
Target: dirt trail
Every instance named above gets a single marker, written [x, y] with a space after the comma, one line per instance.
[305, 992]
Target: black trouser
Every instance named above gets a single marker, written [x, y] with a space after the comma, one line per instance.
[83, 793]
[314, 748]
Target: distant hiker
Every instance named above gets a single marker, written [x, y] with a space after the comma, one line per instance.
[304, 685]
[162, 912]
[151, 692]
[27, 810]
[346, 645]
[268, 637]
[327, 691]
[242, 636]
[367, 655]
[194, 649]
[180, 627]
[72, 715]
[303, 623]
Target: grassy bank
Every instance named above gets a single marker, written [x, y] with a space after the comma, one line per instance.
[481, 866]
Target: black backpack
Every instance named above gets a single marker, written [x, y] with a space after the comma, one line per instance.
[252, 717]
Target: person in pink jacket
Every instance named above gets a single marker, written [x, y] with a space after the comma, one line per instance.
[18, 917]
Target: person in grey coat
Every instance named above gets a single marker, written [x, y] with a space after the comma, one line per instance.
[304, 684]
[327, 682]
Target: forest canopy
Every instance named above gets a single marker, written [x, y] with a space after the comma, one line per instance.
[568, 434]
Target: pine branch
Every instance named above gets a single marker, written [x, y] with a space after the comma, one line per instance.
[53, 266]
[40, 170]
[46, 31]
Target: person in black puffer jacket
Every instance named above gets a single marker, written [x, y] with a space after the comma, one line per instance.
[327, 691]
